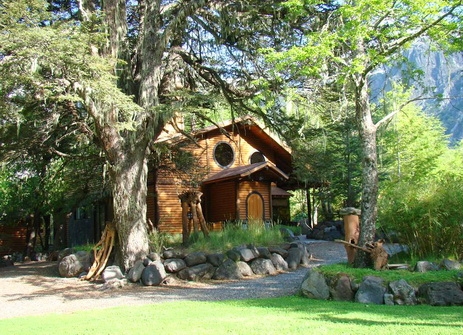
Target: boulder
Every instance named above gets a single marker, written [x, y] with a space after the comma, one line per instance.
[371, 291]
[448, 264]
[247, 254]
[134, 274]
[112, 272]
[341, 288]
[70, 266]
[441, 294]
[174, 265]
[195, 258]
[245, 269]
[173, 253]
[215, 259]
[154, 257]
[403, 293]
[279, 262]
[277, 250]
[65, 252]
[389, 299]
[264, 252]
[294, 257]
[227, 270]
[197, 272]
[425, 266]
[262, 266]
[314, 285]
[234, 255]
[85, 258]
[153, 274]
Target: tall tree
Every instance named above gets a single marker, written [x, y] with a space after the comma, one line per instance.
[356, 38]
[127, 65]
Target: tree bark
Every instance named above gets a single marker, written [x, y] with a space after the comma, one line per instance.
[367, 131]
[129, 187]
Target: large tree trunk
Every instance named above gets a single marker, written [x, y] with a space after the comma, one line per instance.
[367, 130]
[129, 180]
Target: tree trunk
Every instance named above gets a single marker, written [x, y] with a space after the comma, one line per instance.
[129, 181]
[367, 131]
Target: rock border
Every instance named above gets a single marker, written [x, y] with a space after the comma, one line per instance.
[375, 290]
[175, 264]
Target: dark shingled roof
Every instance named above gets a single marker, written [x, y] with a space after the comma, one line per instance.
[247, 170]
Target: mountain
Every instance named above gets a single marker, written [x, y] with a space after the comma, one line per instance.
[439, 87]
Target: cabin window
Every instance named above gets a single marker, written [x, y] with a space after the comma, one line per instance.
[257, 157]
[223, 154]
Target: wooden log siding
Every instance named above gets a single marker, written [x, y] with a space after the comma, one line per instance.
[12, 239]
[221, 202]
[233, 202]
[246, 188]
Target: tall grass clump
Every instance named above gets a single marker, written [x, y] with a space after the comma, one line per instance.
[427, 217]
[235, 234]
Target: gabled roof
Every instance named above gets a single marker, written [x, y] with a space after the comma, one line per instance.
[239, 172]
[249, 128]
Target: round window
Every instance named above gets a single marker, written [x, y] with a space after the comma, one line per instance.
[223, 154]
[257, 157]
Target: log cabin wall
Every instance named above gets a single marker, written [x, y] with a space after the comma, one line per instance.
[248, 187]
[12, 239]
[222, 201]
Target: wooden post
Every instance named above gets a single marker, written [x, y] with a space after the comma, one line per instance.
[351, 230]
[191, 202]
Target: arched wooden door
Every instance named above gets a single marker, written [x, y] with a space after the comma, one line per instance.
[255, 207]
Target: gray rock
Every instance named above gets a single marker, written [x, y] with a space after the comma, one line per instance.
[113, 284]
[154, 256]
[173, 253]
[279, 262]
[134, 274]
[195, 258]
[227, 270]
[245, 269]
[112, 272]
[294, 258]
[153, 274]
[85, 258]
[262, 266]
[403, 293]
[314, 285]
[371, 291]
[247, 254]
[70, 266]
[174, 265]
[215, 259]
[264, 252]
[389, 299]
[341, 288]
[425, 266]
[65, 252]
[234, 255]
[277, 250]
[197, 272]
[450, 265]
[441, 294]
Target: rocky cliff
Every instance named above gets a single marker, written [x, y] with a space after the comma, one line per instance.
[438, 83]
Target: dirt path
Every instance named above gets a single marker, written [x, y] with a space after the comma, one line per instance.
[35, 288]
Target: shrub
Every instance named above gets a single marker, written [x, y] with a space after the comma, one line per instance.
[427, 217]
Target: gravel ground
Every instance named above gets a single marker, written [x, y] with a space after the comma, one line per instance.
[35, 288]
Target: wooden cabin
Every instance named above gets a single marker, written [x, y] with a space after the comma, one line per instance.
[240, 168]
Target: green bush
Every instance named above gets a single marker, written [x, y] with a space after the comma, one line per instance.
[426, 216]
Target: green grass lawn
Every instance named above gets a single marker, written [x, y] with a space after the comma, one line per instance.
[289, 315]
